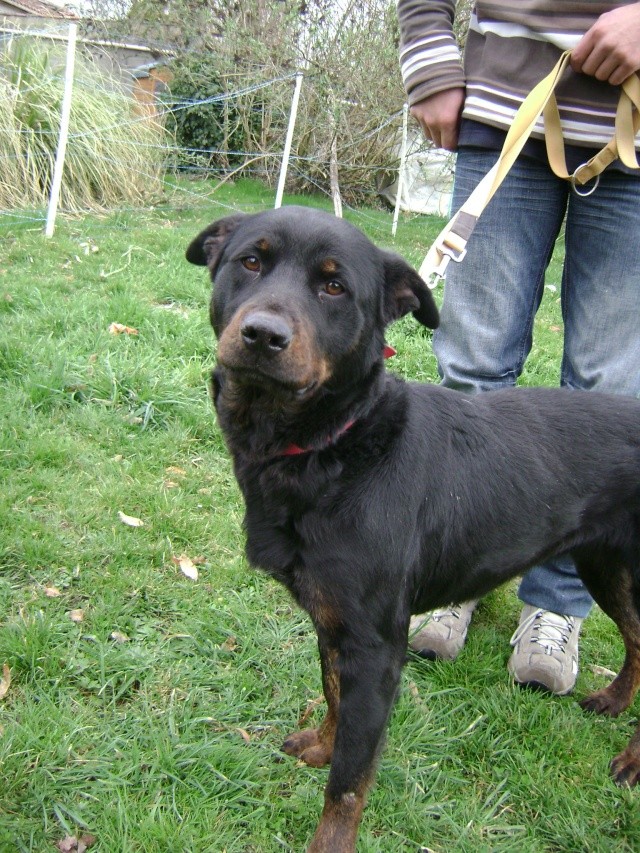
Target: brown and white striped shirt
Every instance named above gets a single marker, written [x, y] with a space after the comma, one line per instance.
[511, 45]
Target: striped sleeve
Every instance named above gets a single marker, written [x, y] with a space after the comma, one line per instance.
[509, 48]
[429, 56]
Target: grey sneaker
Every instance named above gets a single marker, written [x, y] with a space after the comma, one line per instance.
[440, 634]
[545, 650]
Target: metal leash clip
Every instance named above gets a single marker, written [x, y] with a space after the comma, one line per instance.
[432, 270]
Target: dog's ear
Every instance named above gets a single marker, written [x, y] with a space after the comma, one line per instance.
[207, 247]
[405, 291]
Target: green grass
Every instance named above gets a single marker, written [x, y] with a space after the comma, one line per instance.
[154, 724]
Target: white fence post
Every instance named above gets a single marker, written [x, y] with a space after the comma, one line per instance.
[334, 175]
[403, 160]
[287, 144]
[56, 182]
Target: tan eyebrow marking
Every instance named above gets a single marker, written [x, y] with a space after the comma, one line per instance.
[329, 267]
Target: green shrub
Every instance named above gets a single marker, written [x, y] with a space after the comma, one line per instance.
[208, 126]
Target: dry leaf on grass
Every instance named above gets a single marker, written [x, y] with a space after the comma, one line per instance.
[76, 615]
[121, 329]
[52, 591]
[173, 469]
[119, 637]
[71, 844]
[187, 566]
[602, 670]
[130, 520]
[5, 681]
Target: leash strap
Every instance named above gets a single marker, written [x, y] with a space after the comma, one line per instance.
[451, 243]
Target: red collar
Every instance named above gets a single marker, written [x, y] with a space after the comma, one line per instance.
[388, 351]
[295, 450]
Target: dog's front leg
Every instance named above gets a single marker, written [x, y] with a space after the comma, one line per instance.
[368, 678]
[315, 746]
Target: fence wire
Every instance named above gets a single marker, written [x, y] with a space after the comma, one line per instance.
[180, 174]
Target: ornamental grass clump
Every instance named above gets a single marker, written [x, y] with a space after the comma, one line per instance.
[115, 152]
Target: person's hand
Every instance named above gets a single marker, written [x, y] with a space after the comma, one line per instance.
[610, 49]
[439, 117]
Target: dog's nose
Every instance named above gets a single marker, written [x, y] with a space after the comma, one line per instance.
[266, 332]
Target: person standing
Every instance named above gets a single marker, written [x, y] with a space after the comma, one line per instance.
[491, 298]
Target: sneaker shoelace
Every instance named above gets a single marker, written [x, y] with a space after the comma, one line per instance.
[437, 615]
[551, 631]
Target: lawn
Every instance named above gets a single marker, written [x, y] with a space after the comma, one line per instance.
[143, 706]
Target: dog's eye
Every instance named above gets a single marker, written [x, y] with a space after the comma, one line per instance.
[333, 288]
[251, 263]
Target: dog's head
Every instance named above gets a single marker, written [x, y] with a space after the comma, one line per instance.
[301, 298]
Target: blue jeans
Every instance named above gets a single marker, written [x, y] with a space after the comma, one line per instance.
[491, 298]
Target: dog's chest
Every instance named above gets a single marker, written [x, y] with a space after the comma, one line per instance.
[287, 519]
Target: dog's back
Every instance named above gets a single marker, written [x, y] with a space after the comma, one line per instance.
[515, 475]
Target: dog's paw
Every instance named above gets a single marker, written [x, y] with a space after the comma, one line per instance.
[625, 768]
[608, 701]
[309, 746]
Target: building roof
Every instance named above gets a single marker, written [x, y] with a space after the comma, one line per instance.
[40, 9]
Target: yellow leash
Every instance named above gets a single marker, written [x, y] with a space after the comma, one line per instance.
[451, 243]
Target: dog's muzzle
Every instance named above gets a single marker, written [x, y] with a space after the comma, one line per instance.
[273, 350]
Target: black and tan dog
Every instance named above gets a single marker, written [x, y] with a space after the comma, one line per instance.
[371, 498]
